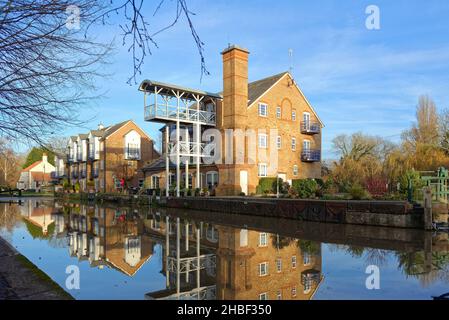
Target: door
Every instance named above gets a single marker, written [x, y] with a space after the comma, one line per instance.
[306, 118]
[244, 181]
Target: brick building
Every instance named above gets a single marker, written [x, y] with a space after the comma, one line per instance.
[101, 158]
[275, 102]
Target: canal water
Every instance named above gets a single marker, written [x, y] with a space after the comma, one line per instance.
[126, 253]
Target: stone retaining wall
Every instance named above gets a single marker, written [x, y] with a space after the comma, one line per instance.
[374, 213]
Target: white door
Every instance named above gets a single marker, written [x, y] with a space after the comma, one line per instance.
[244, 181]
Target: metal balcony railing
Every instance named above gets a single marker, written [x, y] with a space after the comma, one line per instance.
[308, 127]
[165, 112]
[310, 155]
[310, 276]
[190, 148]
[132, 153]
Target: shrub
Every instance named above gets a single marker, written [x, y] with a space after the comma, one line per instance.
[413, 177]
[357, 192]
[77, 187]
[306, 188]
[266, 186]
[66, 184]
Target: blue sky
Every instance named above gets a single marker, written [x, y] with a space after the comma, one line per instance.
[356, 79]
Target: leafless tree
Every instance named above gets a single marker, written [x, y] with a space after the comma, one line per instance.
[49, 60]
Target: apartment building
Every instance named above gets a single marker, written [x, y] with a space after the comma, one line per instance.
[273, 114]
[103, 157]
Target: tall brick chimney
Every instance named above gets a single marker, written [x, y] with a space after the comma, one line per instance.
[235, 87]
[233, 116]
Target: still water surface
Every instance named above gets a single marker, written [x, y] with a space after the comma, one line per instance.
[125, 253]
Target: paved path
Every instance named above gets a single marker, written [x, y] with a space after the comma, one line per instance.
[20, 280]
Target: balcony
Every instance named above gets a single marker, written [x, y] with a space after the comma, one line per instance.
[310, 128]
[132, 154]
[310, 276]
[162, 112]
[190, 149]
[75, 174]
[83, 174]
[311, 155]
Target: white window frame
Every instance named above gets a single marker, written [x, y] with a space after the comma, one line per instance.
[304, 143]
[259, 171]
[263, 137]
[263, 239]
[295, 170]
[294, 262]
[293, 115]
[263, 296]
[279, 142]
[263, 110]
[278, 265]
[293, 144]
[278, 112]
[306, 120]
[263, 269]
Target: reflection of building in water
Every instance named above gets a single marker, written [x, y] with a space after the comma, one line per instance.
[110, 237]
[188, 258]
[233, 263]
[256, 265]
[38, 218]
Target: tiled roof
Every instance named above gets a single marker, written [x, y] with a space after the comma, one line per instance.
[110, 130]
[259, 87]
[32, 166]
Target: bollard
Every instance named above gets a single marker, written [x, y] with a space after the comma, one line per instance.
[428, 218]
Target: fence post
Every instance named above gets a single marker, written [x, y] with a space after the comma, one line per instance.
[428, 218]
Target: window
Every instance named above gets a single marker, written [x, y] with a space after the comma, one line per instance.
[294, 115]
[279, 142]
[306, 145]
[212, 179]
[263, 141]
[263, 296]
[262, 170]
[306, 258]
[293, 261]
[294, 144]
[306, 119]
[263, 110]
[263, 239]
[279, 265]
[279, 295]
[263, 269]
[295, 170]
[307, 286]
[278, 112]
[154, 182]
[294, 292]
[132, 151]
